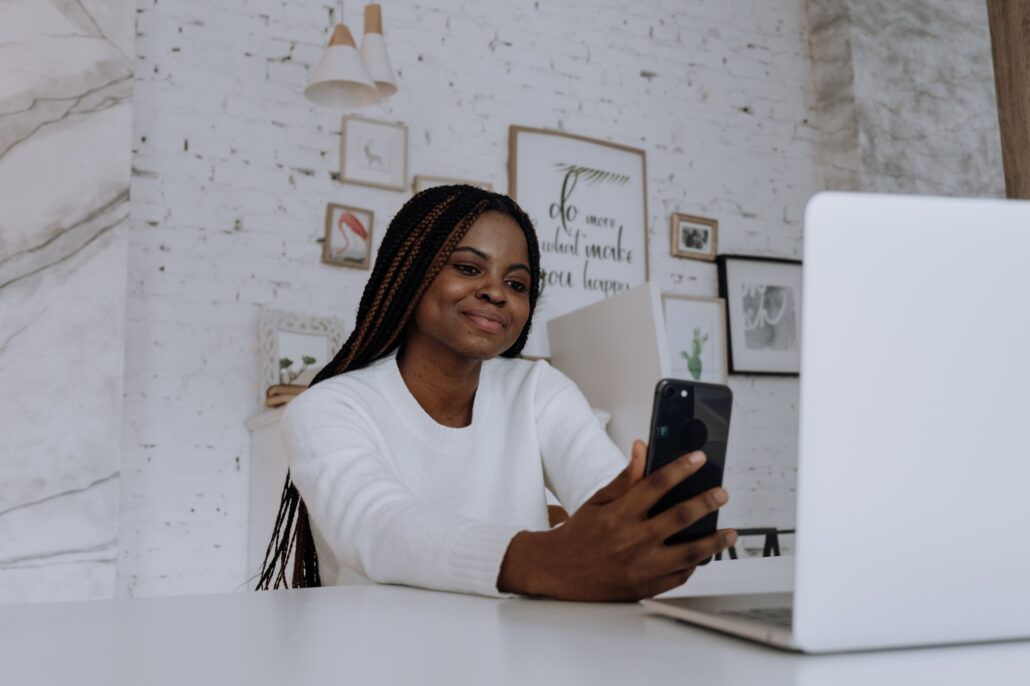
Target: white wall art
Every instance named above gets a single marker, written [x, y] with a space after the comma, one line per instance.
[696, 329]
[588, 201]
[294, 347]
[374, 153]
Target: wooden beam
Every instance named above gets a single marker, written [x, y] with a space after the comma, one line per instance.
[1010, 45]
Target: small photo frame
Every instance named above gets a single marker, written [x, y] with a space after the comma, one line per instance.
[348, 236]
[374, 153]
[763, 314]
[422, 182]
[294, 347]
[696, 330]
[693, 237]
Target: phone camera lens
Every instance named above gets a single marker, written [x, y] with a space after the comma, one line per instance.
[669, 391]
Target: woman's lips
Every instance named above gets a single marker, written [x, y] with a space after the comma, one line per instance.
[484, 323]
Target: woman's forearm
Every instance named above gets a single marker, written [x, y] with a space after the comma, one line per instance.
[528, 566]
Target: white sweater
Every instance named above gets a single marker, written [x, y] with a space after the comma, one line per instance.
[395, 497]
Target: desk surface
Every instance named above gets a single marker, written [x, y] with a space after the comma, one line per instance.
[395, 635]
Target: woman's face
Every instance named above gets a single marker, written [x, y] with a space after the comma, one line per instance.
[478, 304]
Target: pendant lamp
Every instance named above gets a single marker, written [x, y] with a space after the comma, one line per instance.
[373, 50]
[340, 79]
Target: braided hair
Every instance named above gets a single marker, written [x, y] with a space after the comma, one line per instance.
[417, 246]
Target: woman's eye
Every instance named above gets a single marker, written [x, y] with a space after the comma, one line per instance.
[467, 269]
[517, 286]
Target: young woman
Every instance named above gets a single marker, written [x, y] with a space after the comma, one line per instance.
[421, 452]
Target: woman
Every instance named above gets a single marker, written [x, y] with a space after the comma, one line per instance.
[421, 452]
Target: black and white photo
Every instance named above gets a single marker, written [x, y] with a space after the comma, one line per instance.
[693, 237]
[763, 314]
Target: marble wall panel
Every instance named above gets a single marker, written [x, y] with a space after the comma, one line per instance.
[65, 160]
[906, 99]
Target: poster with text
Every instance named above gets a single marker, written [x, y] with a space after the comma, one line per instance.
[588, 201]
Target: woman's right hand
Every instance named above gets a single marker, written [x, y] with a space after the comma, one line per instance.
[609, 549]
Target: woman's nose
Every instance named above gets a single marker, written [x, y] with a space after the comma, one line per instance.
[491, 294]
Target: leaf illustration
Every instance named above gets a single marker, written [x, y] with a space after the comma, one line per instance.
[591, 175]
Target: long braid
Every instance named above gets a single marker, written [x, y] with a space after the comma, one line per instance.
[416, 247]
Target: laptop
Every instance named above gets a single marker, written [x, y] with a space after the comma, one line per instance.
[913, 497]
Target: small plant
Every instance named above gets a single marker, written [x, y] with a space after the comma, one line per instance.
[694, 358]
[286, 373]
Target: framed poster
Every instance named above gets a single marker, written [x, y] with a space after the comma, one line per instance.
[587, 199]
[348, 236]
[696, 329]
[294, 346]
[763, 307]
[422, 182]
[693, 237]
[374, 153]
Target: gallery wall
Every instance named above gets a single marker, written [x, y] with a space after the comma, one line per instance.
[233, 170]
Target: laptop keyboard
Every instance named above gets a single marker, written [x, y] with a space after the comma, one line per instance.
[780, 616]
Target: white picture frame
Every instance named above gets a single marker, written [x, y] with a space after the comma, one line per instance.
[696, 332]
[588, 201]
[374, 153]
[763, 314]
[292, 335]
[348, 236]
[422, 182]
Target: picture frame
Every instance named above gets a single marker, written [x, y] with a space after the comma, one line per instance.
[763, 314]
[696, 331]
[348, 236]
[587, 199]
[293, 336]
[693, 237]
[422, 182]
[374, 153]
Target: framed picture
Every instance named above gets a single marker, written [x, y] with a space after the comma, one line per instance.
[374, 153]
[348, 236]
[696, 329]
[763, 306]
[294, 347]
[693, 237]
[588, 201]
[421, 182]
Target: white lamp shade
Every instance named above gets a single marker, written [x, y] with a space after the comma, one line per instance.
[373, 50]
[340, 79]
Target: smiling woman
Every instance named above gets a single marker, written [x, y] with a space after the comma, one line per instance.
[422, 451]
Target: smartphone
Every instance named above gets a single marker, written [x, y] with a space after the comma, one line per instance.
[689, 416]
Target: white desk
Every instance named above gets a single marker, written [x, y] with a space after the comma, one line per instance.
[391, 635]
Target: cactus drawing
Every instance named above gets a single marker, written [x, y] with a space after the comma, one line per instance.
[694, 358]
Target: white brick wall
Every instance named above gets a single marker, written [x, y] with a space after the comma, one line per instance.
[233, 170]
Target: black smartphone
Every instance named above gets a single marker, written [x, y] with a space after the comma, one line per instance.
[690, 416]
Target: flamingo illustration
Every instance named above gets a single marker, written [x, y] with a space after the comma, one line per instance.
[349, 225]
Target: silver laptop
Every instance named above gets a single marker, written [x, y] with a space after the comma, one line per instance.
[913, 499]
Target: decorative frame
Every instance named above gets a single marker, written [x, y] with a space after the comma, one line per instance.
[588, 201]
[281, 333]
[348, 236]
[693, 237]
[763, 314]
[374, 153]
[686, 316]
[423, 181]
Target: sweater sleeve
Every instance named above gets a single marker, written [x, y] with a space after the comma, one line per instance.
[374, 523]
[579, 458]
